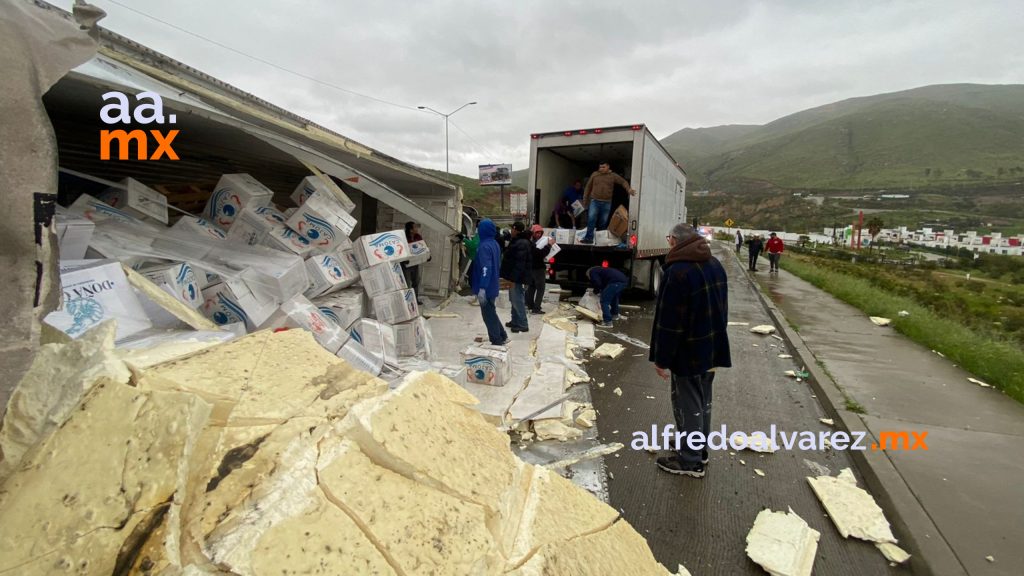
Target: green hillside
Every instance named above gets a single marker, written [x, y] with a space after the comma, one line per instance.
[936, 137]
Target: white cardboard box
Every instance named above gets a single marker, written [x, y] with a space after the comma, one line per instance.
[377, 338]
[137, 199]
[412, 338]
[96, 292]
[232, 301]
[98, 211]
[322, 221]
[381, 247]
[420, 253]
[606, 238]
[311, 185]
[565, 236]
[344, 307]
[233, 193]
[178, 280]
[580, 235]
[299, 312]
[329, 273]
[73, 234]
[254, 223]
[198, 228]
[281, 237]
[487, 364]
[396, 307]
[277, 277]
[358, 356]
[382, 278]
[577, 208]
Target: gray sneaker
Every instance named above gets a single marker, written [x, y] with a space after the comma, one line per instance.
[672, 465]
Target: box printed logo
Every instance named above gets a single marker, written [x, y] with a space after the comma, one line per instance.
[292, 237]
[209, 229]
[307, 191]
[481, 370]
[104, 212]
[85, 313]
[387, 245]
[270, 215]
[333, 268]
[317, 230]
[187, 280]
[410, 301]
[330, 314]
[223, 311]
[224, 206]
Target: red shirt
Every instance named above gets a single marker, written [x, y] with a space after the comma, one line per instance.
[775, 246]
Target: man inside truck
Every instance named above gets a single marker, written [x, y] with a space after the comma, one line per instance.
[597, 198]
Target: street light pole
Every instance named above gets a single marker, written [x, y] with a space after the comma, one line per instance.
[447, 172]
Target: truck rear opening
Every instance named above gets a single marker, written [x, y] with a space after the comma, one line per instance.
[559, 159]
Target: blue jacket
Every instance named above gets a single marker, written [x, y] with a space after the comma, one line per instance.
[487, 262]
[689, 335]
[601, 277]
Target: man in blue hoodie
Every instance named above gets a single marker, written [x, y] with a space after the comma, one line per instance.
[484, 280]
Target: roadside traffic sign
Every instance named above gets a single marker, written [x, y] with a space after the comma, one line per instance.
[729, 223]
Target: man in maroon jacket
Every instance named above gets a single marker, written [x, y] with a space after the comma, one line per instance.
[775, 248]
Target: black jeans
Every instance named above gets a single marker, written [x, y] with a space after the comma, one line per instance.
[691, 406]
[535, 289]
[753, 259]
[773, 260]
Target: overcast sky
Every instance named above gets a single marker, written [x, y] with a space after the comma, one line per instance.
[549, 65]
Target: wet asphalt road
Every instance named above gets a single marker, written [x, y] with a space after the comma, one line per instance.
[703, 523]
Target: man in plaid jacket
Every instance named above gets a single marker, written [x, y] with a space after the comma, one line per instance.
[689, 339]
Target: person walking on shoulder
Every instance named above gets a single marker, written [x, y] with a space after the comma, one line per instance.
[597, 199]
[515, 267]
[689, 340]
[754, 247]
[775, 248]
[739, 241]
[484, 280]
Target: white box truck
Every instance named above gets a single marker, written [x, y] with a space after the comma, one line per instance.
[558, 159]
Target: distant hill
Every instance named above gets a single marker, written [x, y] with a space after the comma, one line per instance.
[932, 137]
[484, 198]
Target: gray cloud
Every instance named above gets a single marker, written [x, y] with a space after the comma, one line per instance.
[542, 65]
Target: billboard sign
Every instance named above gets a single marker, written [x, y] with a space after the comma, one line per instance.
[495, 174]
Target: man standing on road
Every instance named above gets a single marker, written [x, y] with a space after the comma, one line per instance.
[609, 283]
[754, 247]
[775, 247]
[739, 241]
[538, 272]
[515, 267]
[484, 280]
[597, 199]
[689, 340]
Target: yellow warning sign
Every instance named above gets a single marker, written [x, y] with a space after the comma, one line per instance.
[729, 222]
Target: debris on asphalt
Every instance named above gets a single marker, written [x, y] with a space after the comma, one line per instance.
[782, 543]
[785, 356]
[760, 443]
[738, 324]
[777, 337]
[763, 329]
[757, 345]
[554, 429]
[798, 374]
[879, 321]
[588, 313]
[617, 391]
[759, 472]
[892, 552]
[743, 462]
[629, 340]
[586, 418]
[818, 469]
[608, 350]
[682, 571]
[854, 512]
[979, 383]
[827, 421]
[588, 454]
[990, 558]
[600, 384]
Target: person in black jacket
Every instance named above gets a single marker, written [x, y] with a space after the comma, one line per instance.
[689, 340]
[515, 267]
[609, 283]
[754, 248]
[538, 271]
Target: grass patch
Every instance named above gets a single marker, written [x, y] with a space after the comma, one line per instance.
[854, 406]
[992, 357]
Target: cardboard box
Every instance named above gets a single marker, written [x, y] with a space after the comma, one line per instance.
[322, 221]
[98, 211]
[577, 208]
[197, 228]
[619, 223]
[311, 185]
[606, 238]
[73, 234]
[344, 307]
[420, 253]
[382, 278]
[487, 365]
[412, 338]
[396, 307]
[275, 276]
[254, 223]
[281, 237]
[95, 292]
[232, 193]
[377, 338]
[565, 236]
[178, 280]
[137, 199]
[329, 273]
[299, 312]
[579, 235]
[232, 301]
[382, 247]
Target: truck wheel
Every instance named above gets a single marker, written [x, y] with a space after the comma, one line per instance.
[656, 275]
